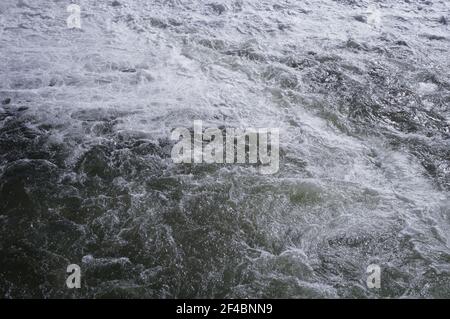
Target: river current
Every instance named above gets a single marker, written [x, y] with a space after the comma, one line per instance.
[360, 91]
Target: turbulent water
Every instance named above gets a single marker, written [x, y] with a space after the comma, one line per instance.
[359, 89]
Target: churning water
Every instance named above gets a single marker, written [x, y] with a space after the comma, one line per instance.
[359, 89]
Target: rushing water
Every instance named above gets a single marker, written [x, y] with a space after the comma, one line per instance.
[359, 89]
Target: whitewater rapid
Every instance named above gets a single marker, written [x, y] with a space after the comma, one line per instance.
[360, 91]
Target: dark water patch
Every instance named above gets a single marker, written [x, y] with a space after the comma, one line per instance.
[217, 8]
[434, 37]
[342, 254]
[280, 77]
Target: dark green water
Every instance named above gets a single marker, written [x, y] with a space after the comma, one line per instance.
[359, 89]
